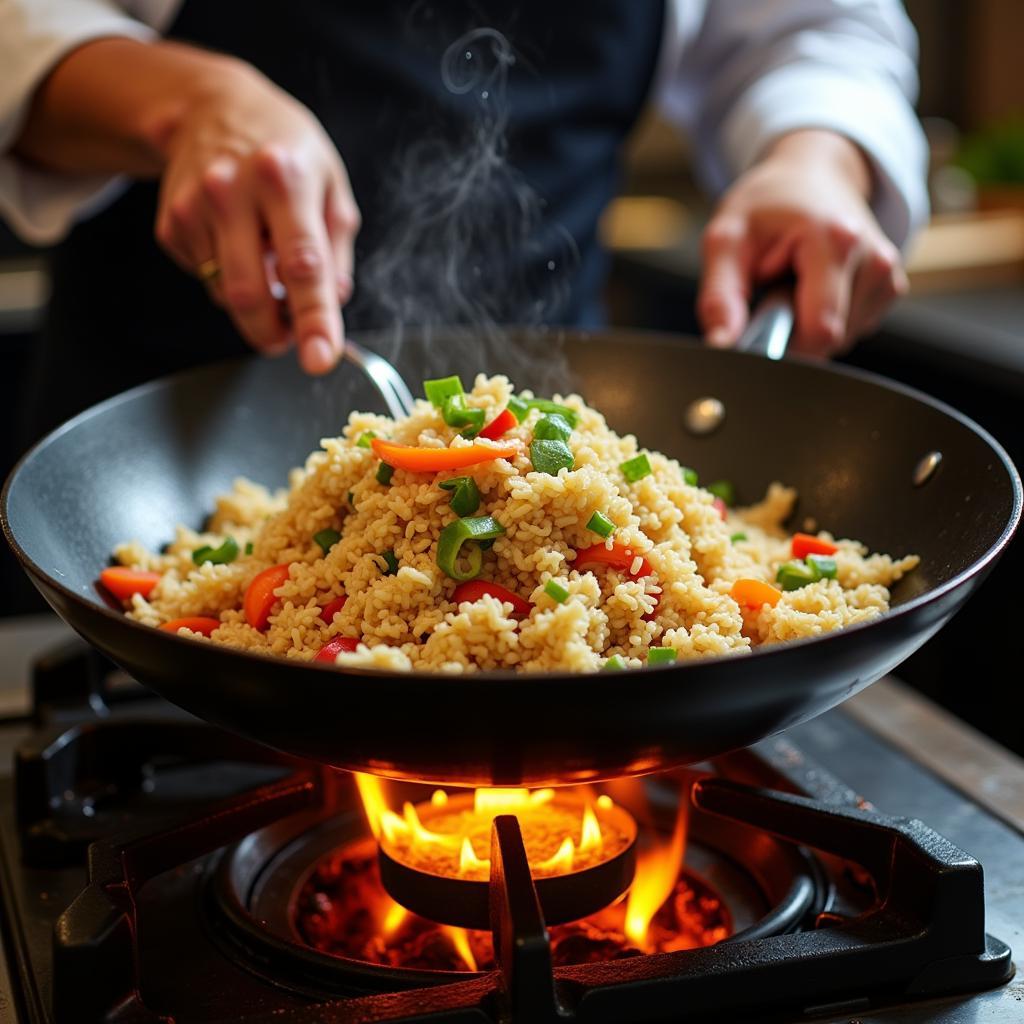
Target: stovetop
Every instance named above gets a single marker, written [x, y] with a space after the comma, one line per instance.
[832, 759]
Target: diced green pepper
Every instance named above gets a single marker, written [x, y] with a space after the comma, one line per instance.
[555, 590]
[661, 655]
[636, 468]
[737, 537]
[823, 566]
[793, 575]
[441, 388]
[545, 405]
[465, 494]
[689, 476]
[600, 524]
[327, 539]
[616, 663]
[455, 535]
[365, 439]
[551, 456]
[385, 473]
[552, 427]
[456, 413]
[724, 489]
[248, 548]
[223, 555]
[519, 407]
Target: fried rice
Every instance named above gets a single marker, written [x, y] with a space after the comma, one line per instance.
[399, 612]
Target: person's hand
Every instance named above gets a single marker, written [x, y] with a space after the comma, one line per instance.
[801, 209]
[252, 186]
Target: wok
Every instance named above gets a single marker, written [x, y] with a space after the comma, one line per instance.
[145, 460]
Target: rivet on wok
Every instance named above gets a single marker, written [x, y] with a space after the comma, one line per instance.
[924, 470]
[704, 415]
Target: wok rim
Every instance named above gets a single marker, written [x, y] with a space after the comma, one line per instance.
[511, 676]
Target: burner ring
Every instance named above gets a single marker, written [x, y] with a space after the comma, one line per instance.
[465, 902]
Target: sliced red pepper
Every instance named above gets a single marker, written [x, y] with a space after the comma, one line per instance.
[723, 509]
[473, 590]
[332, 608]
[123, 582]
[618, 556]
[500, 425]
[197, 623]
[260, 598]
[333, 648]
[804, 544]
[434, 460]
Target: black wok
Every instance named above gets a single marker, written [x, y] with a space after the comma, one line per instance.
[139, 463]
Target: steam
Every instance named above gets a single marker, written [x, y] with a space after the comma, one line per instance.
[463, 237]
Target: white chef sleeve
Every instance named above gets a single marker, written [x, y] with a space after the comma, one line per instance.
[756, 69]
[41, 205]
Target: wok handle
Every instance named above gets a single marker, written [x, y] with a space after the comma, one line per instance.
[771, 324]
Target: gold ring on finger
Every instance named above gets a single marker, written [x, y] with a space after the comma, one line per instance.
[208, 270]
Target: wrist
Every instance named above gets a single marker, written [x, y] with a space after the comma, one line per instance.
[829, 150]
[210, 79]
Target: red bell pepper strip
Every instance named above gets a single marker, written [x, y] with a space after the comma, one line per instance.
[434, 460]
[332, 608]
[473, 590]
[332, 648]
[804, 544]
[500, 425]
[197, 623]
[618, 556]
[721, 507]
[259, 598]
[123, 582]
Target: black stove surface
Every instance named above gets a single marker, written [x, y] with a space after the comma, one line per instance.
[185, 966]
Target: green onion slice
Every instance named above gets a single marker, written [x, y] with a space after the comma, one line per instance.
[736, 537]
[551, 456]
[794, 575]
[661, 655]
[366, 438]
[327, 539]
[444, 387]
[351, 500]
[385, 473]
[227, 552]
[390, 561]
[519, 407]
[465, 494]
[616, 663]
[600, 524]
[456, 413]
[636, 468]
[689, 476]
[455, 535]
[823, 566]
[552, 427]
[724, 489]
[248, 548]
[555, 590]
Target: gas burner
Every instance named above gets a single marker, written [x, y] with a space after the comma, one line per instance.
[306, 896]
[212, 858]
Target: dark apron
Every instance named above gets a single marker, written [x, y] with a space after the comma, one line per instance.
[122, 312]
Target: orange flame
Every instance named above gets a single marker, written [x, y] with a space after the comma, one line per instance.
[460, 940]
[560, 862]
[468, 860]
[590, 837]
[656, 874]
[394, 917]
